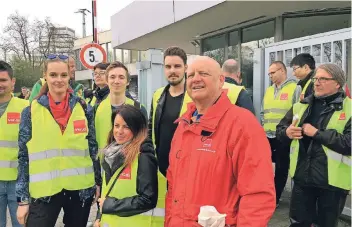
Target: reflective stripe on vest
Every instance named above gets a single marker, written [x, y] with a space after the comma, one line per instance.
[8, 164]
[57, 153]
[57, 173]
[8, 144]
[305, 89]
[125, 187]
[9, 128]
[58, 160]
[339, 166]
[276, 106]
[103, 120]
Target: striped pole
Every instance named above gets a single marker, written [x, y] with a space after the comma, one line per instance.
[94, 14]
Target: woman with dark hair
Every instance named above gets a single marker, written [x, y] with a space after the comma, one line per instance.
[130, 182]
[57, 154]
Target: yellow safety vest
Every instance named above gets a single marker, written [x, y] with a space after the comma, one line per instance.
[9, 127]
[103, 124]
[276, 108]
[124, 187]
[58, 161]
[232, 91]
[304, 90]
[339, 166]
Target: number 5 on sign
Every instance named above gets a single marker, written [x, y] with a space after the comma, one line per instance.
[92, 54]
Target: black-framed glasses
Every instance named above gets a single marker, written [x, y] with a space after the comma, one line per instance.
[321, 79]
[54, 56]
[294, 69]
[101, 73]
[272, 73]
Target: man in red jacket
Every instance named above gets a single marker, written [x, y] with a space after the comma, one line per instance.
[219, 157]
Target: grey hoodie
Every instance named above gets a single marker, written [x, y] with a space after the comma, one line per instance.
[276, 92]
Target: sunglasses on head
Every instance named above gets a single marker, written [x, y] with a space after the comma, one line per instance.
[54, 56]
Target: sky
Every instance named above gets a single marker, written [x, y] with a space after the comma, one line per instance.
[62, 12]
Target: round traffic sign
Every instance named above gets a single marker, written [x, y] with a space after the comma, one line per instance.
[92, 54]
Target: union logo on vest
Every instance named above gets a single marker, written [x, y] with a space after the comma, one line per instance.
[79, 126]
[13, 118]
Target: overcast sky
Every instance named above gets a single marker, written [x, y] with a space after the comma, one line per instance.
[62, 12]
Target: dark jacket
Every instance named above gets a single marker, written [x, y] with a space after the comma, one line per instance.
[25, 135]
[311, 167]
[147, 185]
[300, 86]
[243, 101]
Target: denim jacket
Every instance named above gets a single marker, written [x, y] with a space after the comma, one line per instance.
[25, 135]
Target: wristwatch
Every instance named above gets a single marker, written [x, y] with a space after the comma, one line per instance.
[23, 200]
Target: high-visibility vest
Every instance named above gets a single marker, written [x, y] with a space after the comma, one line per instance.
[58, 161]
[232, 92]
[276, 108]
[103, 123]
[304, 90]
[126, 186]
[9, 127]
[339, 166]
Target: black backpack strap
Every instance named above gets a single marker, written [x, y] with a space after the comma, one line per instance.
[137, 104]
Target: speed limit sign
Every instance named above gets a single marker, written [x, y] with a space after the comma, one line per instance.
[92, 54]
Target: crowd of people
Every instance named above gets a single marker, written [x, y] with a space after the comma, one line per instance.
[66, 148]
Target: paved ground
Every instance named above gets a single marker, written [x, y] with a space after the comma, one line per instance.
[280, 218]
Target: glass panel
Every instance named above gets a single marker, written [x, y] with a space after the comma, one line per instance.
[126, 56]
[143, 55]
[306, 49]
[258, 36]
[338, 53]
[316, 53]
[214, 47]
[288, 56]
[272, 57]
[280, 55]
[326, 52]
[134, 54]
[297, 51]
[104, 47]
[233, 45]
[118, 55]
[305, 26]
[110, 53]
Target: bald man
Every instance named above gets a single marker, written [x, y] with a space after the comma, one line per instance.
[76, 87]
[219, 157]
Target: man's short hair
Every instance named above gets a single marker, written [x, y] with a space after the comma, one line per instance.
[176, 51]
[279, 63]
[101, 65]
[115, 65]
[231, 68]
[6, 67]
[304, 59]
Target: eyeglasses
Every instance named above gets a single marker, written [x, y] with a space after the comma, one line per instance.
[101, 73]
[321, 79]
[294, 69]
[54, 56]
[272, 73]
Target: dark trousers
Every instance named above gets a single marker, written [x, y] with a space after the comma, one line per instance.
[280, 155]
[315, 205]
[76, 214]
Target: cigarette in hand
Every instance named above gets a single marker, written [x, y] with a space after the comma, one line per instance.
[295, 120]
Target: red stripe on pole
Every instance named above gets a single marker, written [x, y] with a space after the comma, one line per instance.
[95, 30]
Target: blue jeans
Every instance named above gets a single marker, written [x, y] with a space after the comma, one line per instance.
[8, 199]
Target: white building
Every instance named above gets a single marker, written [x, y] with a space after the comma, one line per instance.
[61, 40]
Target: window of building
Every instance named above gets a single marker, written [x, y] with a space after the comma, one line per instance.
[126, 56]
[298, 26]
[118, 55]
[257, 36]
[79, 65]
[214, 47]
[233, 48]
[110, 53]
[134, 54]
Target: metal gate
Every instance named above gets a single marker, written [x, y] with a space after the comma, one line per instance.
[326, 47]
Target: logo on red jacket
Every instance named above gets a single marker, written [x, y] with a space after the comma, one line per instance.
[13, 118]
[284, 96]
[126, 173]
[79, 126]
[342, 116]
[207, 143]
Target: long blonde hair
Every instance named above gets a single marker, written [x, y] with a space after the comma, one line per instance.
[137, 123]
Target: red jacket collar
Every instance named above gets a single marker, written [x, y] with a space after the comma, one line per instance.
[214, 114]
